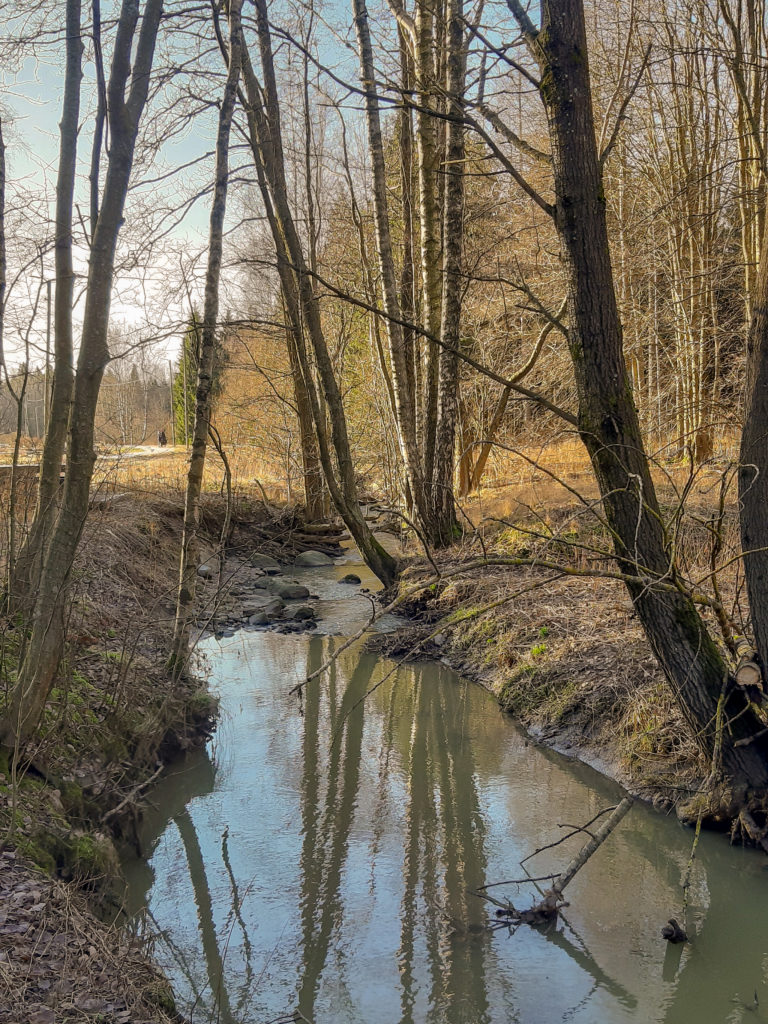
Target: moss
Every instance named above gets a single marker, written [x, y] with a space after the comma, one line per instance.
[160, 994]
[71, 797]
[202, 704]
[92, 857]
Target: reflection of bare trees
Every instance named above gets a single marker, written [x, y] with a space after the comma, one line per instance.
[213, 957]
[444, 855]
[326, 834]
[444, 840]
[393, 782]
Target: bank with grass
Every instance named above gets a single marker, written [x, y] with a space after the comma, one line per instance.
[524, 611]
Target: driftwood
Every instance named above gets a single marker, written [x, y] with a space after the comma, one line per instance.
[549, 907]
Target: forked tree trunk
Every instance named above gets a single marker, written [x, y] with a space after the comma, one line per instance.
[608, 422]
[405, 399]
[46, 641]
[28, 566]
[189, 558]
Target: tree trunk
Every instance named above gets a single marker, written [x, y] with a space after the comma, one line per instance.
[29, 563]
[608, 422]
[444, 512]
[46, 642]
[301, 302]
[314, 483]
[753, 470]
[404, 398]
[189, 560]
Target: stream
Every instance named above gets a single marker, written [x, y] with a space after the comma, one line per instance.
[317, 862]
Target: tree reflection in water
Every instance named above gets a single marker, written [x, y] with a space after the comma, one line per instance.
[444, 831]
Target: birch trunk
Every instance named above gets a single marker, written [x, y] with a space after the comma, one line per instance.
[405, 400]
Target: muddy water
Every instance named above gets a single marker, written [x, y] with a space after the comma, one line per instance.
[318, 862]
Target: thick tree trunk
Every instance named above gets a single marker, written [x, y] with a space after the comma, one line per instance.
[608, 421]
[753, 471]
[28, 567]
[444, 512]
[429, 222]
[189, 560]
[46, 642]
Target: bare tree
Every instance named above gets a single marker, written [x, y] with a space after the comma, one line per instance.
[127, 92]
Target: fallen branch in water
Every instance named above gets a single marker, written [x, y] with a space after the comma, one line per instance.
[549, 907]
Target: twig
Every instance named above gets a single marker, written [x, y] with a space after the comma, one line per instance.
[132, 795]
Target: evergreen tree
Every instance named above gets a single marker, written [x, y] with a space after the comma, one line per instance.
[189, 362]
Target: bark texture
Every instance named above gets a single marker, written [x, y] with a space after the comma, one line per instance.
[28, 567]
[753, 471]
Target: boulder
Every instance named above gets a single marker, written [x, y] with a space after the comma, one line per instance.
[266, 562]
[350, 578]
[292, 592]
[313, 559]
[301, 613]
[206, 571]
[269, 605]
[259, 619]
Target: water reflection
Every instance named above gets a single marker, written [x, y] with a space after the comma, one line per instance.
[324, 869]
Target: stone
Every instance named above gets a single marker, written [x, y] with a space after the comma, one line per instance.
[350, 578]
[292, 592]
[259, 619]
[206, 571]
[266, 562]
[269, 605]
[438, 639]
[313, 559]
[301, 613]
